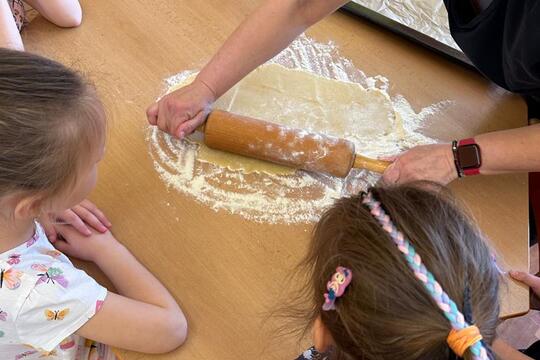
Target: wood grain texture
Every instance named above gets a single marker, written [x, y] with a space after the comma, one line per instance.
[227, 273]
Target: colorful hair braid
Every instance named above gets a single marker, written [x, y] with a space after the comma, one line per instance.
[471, 338]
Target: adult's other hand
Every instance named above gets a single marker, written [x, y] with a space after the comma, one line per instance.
[425, 162]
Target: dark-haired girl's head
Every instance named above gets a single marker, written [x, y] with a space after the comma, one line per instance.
[386, 312]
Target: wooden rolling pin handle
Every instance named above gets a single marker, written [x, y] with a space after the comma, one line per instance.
[362, 162]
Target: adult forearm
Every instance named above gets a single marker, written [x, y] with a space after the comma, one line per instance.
[132, 279]
[261, 36]
[515, 150]
[9, 34]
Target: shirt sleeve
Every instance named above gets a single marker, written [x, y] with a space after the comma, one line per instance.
[62, 300]
[521, 42]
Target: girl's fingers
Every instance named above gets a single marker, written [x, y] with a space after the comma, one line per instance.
[66, 232]
[50, 231]
[90, 206]
[74, 220]
[62, 246]
[89, 218]
[530, 280]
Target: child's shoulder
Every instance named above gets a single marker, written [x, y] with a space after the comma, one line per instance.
[34, 254]
[34, 267]
[40, 286]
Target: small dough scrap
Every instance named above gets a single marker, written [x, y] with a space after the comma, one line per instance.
[303, 100]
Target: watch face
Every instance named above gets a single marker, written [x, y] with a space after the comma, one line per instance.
[469, 156]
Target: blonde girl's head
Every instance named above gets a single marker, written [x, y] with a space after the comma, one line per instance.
[385, 311]
[52, 131]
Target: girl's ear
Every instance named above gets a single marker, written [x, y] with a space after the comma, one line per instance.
[322, 339]
[28, 207]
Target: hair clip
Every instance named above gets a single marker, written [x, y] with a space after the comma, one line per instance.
[336, 287]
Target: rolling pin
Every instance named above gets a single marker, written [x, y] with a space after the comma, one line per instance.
[283, 145]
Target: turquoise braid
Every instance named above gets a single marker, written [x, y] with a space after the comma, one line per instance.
[414, 261]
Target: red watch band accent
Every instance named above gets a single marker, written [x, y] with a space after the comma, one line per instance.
[470, 171]
[469, 141]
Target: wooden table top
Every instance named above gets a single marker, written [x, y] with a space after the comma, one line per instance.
[226, 272]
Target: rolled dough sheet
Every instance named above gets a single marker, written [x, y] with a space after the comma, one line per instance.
[303, 100]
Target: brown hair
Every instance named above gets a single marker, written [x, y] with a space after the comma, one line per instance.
[386, 313]
[51, 122]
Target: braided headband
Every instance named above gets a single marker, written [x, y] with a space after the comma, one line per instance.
[462, 336]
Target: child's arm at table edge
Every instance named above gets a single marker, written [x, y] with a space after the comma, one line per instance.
[145, 317]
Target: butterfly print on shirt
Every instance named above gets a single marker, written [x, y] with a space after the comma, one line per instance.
[50, 275]
[10, 278]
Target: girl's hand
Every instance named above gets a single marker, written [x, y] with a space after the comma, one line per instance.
[182, 111]
[425, 162]
[531, 281]
[87, 248]
[82, 217]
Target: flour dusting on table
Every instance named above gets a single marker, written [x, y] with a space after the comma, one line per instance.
[291, 198]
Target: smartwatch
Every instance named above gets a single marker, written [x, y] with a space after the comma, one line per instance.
[467, 157]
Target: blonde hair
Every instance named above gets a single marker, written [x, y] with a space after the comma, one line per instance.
[386, 313]
[51, 122]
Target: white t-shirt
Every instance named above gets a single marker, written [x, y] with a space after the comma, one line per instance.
[44, 300]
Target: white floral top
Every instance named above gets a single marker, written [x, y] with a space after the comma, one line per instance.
[44, 300]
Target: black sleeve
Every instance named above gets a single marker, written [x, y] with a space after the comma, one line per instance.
[503, 41]
[521, 44]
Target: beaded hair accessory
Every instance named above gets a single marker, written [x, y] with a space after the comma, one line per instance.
[462, 336]
[336, 287]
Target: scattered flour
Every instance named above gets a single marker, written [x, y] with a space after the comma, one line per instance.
[296, 198]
